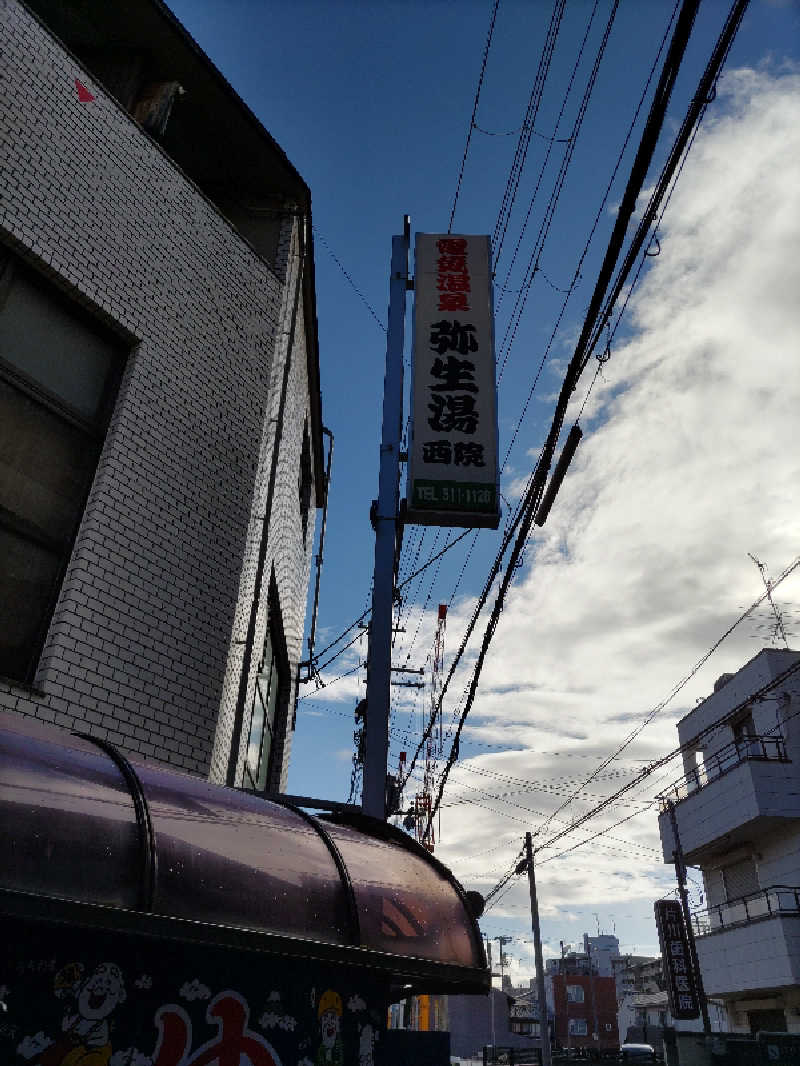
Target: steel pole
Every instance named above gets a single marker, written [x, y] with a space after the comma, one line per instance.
[680, 870]
[376, 728]
[544, 1027]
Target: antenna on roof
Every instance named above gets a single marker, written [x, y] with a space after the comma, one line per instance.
[778, 631]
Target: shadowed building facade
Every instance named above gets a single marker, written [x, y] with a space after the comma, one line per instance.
[160, 434]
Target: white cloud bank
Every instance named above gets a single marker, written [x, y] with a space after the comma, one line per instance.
[690, 461]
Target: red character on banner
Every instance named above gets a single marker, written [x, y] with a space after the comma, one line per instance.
[453, 301]
[452, 246]
[233, 1044]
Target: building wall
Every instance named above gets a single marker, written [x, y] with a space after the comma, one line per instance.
[745, 827]
[602, 949]
[470, 1021]
[599, 1007]
[754, 675]
[140, 648]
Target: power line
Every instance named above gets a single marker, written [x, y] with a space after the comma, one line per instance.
[727, 717]
[658, 763]
[577, 363]
[349, 278]
[532, 110]
[534, 260]
[694, 115]
[510, 526]
[472, 125]
[569, 141]
[674, 691]
[598, 215]
[450, 544]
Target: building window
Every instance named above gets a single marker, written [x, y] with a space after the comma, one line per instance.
[304, 482]
[59, 375]
[268, 711]
[578, 1027]
[574, 993]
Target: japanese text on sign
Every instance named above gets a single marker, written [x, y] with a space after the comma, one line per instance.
[453, 457]
[682, 994]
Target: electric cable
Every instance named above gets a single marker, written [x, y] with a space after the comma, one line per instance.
[658, 763]
[532, 110]
[598, 215]
[349, 278]
[570, 141]
[651, 714]
[450, 544]
[472, 125]
[636, 179]
[534, 261]
[510, 525]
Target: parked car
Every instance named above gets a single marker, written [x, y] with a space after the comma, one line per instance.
[637, 1053]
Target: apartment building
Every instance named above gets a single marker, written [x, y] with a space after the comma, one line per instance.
[737, 812]
[161, 447]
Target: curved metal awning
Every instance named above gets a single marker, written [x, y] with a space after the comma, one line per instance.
[121, 843]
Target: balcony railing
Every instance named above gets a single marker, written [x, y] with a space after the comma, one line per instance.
[738, 751]
[766, 903]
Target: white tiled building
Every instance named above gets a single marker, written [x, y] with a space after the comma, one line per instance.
[738, 816]
[160, 432]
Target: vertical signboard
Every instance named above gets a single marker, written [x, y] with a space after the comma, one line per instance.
[684, 1002]
[452, 472]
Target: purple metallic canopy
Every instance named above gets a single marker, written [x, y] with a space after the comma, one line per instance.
[81, 823]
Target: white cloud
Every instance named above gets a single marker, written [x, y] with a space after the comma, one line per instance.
[689, 462]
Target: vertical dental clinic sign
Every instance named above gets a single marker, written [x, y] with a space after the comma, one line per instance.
[684, 1002]
[452, 473]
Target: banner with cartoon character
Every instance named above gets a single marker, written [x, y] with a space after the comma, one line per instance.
[92, 998]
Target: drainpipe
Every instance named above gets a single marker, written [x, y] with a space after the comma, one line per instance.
[318, 561]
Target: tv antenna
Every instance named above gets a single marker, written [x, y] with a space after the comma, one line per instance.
[778, 630]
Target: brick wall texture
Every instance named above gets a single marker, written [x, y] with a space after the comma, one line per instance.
[144, 647]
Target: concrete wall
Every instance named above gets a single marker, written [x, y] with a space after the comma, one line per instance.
[728, 807]
[762, 954]
[142, 645]
[762, 669]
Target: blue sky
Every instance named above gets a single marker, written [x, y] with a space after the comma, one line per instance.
[644, 561]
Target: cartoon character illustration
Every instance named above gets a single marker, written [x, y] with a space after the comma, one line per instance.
[85, 1039]
[329, 1012]
[366, 1046]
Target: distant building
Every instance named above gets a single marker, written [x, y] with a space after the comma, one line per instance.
[160, 416]
[602, 949]
[475, 1021]
[627, 975]
[737, 808]
[643, 1008]
[585, 1007]
[582, 994]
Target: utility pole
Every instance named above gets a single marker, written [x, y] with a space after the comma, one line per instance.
[680, 871]
[544, 1028]
[566, 996]
[385, 516]
[502, 941]
[491, 989]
